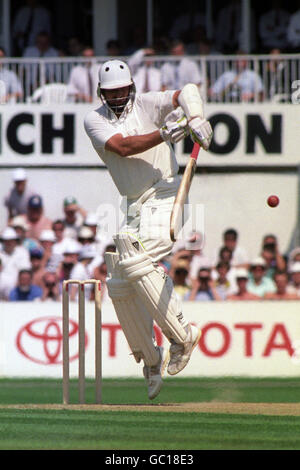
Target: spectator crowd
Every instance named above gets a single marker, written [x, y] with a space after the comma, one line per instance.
[273, 32]
[37, 254]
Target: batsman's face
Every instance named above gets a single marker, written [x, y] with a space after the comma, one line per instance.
[117, 97]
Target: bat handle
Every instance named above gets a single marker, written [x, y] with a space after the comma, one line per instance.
[195, 151]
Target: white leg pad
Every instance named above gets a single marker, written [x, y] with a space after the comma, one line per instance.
[153, 286]
[136, 322]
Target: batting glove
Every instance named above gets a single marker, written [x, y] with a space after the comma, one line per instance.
[201, 132]
[175, 127]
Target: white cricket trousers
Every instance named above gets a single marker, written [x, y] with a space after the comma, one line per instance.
[148, 218]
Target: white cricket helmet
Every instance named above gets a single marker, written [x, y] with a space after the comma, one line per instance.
[114, 74]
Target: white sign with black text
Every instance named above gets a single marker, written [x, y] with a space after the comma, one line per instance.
[253, 134]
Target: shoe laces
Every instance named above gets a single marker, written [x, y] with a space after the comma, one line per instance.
[175, 350]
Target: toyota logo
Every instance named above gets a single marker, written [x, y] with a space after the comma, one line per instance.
[44, 337]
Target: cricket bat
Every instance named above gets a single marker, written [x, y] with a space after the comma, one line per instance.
[182, 193]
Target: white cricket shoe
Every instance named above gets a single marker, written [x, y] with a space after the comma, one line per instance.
[180, 353]
[153, 375]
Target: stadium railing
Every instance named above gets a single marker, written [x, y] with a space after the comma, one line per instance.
[279, 74]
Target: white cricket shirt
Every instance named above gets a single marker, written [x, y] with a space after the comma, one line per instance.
[135, 174]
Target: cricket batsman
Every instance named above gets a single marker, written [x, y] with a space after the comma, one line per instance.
[132, 134]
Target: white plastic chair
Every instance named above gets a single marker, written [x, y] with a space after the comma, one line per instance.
[53, 93]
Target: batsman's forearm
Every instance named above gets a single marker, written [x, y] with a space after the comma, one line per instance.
[133, 145]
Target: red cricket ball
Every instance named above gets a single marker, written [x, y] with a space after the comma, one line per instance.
[273, 201]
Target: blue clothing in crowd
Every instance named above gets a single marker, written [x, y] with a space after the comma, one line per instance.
[34, 292]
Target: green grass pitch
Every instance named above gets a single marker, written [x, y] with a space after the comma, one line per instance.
[23, 428]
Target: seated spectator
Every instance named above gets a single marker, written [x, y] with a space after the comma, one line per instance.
[74, 46]
[293, 31]
[47, 240]
[239, 257]
[242, 292]
[174, 75]
[50, 286]
[273, 26]
[161, 44]
[194, 245]
[19, 225]
[35, 218]
[275, 76]
[267, 255]
[293, 257]
[203, 289]
[101, 238]
[42, 49]
[25, 290]
[113, 48]
[294, 283]
[83, 81]
[17, 200]
[281, 281]
[222, 284]
[146, 76]
[202, 46]
[86, 236]
[58, 227]
[238, 84]
[70, 259]
[91, 221]
[272, 256]
[13, 258]
[74, 217]
[180, 278]
[11, 90]
[259, 284]
[179, 253]
[224, 255]
[37, 266]
[83, 270]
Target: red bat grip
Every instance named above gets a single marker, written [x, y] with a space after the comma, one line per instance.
[195, 151]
